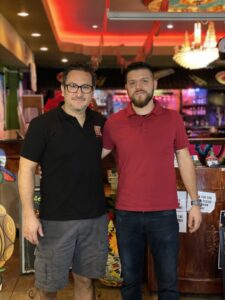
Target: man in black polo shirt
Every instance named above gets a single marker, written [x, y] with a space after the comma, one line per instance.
[72, 229]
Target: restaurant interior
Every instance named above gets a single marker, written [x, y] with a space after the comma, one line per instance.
[184, 42]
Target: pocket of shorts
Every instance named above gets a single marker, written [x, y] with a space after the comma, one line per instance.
[51, 269]
[51, 229]
[43, 265]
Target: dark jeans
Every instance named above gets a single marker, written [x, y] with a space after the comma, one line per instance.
[160, 229]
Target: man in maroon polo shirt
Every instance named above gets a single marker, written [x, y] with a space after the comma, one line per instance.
[145, 137]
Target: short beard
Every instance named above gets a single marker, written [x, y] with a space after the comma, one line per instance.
[141, 104]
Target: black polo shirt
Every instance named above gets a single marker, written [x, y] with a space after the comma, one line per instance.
[70, 159]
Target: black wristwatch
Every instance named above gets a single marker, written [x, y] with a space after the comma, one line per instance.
[196, 202]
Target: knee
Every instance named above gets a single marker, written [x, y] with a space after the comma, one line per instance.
[47, 295]
[131, 278]
[82, 282]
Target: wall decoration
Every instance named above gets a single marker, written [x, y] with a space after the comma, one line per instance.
[7, 225]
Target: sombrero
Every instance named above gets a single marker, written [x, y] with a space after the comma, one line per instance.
[220, 77]
[7, 236]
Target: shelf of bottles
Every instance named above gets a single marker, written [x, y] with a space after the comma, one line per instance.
[168, 98]
[194, 107]
[111, 101]
[199, 107]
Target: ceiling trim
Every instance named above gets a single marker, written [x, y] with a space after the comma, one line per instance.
[164, 16]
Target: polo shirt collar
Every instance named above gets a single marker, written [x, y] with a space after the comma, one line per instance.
[65, 116]
[157, 110]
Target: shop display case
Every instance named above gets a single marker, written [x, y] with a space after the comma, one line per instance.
[202, 110]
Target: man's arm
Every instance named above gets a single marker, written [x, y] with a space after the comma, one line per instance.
[105, 152]
[187, 172]
[26, 178]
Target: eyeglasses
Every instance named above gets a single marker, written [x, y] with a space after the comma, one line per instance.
[73, 88]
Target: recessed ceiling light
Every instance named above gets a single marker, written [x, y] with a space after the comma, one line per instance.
[35, 34]
[169, 26]
[44, 49]
[64, 60]
[94, 26]
[23, 14]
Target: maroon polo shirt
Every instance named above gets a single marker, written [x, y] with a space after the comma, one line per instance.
[145, 147]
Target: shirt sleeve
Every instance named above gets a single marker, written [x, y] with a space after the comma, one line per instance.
[181, 140]
[34, 142]
[107, 137]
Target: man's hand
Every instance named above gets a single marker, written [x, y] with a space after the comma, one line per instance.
[32, 228]
[194, 218]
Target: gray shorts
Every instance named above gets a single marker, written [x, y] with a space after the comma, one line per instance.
[80, 244]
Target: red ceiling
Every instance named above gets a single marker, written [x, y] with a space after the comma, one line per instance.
[72, 21]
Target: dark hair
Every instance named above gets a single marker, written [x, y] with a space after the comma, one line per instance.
[137, 66]
[79, 67]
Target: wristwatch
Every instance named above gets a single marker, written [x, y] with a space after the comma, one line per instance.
[196, 202]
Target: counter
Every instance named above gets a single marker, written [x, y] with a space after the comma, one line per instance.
[207, 140]
[198, 258]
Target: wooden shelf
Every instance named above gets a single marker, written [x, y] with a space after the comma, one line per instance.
[208, 140]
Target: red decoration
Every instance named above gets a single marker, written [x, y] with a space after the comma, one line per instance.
[53, 102]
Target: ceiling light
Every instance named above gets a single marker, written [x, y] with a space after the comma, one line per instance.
[44, 49]
[23, 14]
[64, 60]
[95, 26]
[198, 55]
[35, 34]
[169, 26]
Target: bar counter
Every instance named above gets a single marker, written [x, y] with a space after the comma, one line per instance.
[198, 258]
[207, 140]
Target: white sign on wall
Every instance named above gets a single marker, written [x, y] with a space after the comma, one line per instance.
[182, 211]
[182, 220]
[208, 205]
[208, 202]
[182, 200]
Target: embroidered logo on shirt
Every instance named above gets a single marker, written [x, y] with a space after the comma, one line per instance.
[97, 130]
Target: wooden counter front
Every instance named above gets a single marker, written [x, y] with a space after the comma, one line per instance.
[198, 258]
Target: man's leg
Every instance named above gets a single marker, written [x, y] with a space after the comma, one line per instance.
[131, 244]
[163, 235]
[91, 252]
[83, 288]
[53, 257]
[47, 296]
